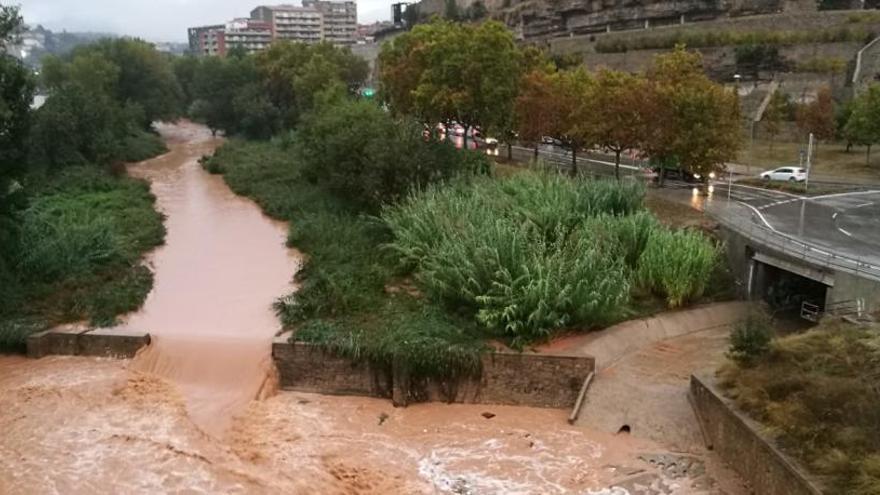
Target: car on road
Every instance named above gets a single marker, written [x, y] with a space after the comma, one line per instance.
[491, 146]
[790, 174]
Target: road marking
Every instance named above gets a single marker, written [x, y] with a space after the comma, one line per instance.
[852, 193]
[844, 231]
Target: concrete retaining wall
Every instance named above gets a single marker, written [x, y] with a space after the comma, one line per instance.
[509, 378]
[101, 342]
[738, 441]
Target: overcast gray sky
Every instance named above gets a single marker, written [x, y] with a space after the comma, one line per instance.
[157, 20]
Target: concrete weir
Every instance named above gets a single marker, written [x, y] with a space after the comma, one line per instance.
[74, 341]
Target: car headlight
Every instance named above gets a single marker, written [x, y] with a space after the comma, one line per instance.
[712, 175]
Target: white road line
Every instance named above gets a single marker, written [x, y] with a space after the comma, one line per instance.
[852, 193]
[844, 231]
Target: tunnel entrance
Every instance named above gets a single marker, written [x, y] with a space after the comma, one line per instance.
[787, 292]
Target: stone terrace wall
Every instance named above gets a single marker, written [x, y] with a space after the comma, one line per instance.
[738, 441]
[508, 378]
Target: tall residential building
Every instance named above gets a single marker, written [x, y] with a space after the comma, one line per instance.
[250, 34]
[334, 21]
[207, 40]
[289, 22]
[340, 20]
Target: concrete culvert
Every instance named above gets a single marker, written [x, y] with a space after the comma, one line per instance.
[623, 429]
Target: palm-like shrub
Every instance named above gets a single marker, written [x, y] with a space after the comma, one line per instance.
[677, 265]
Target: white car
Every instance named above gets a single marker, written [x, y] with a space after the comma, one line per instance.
[791, 174]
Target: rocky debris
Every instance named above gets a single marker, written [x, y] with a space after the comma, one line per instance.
[488, 415]
[672, 474]
[382, 418]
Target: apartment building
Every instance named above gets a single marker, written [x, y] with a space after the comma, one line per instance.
[289, 22]
[207, 40]
[252, 35]
[334, 21]
[340, 20]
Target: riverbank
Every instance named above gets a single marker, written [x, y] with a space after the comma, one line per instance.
[74, 247]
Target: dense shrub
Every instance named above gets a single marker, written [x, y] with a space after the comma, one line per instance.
[357, 150]
[677, 265]
[817, 393]
[750, 338]
[77, 250]
[526, 255]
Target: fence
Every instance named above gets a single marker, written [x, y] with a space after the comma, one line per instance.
[746, 222]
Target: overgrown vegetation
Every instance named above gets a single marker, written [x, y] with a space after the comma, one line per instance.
[817, 395]
[77, 251]
[700, 38]
[72, 230]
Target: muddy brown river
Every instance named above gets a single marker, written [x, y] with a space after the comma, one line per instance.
[182, 417]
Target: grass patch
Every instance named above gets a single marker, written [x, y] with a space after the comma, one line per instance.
[817, 395]
[76, 255]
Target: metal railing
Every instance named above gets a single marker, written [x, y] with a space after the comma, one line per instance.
[745, 222]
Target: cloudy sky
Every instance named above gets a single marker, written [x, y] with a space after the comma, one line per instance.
[157, 20]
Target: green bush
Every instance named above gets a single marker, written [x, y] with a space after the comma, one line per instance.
[677, 265]
[750, 338]
[526, 254]
[358, 151]
[77, 251]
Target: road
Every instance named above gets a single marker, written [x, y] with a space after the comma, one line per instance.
[845, 224]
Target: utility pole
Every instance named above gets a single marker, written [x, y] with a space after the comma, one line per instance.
[806, 184]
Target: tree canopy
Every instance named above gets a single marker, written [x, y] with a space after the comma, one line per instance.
[863, 125]
[445, 71]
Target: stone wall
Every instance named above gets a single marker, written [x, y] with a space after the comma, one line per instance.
[509, 378]
[101, 342]
[738, 441]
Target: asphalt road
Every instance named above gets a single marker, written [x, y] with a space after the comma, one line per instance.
[845, 224]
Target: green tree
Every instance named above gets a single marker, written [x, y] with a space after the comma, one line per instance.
[776, 112]
[145, 77]
[445, 71]
[215, 88]
[691, 119]
[863, 125]
[360, 152]
[293, 73]
[16, 94]
[618, 118]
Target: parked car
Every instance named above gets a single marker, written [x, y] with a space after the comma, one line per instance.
[791, 174]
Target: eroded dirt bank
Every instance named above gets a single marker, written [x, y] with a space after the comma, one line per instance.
[82, 425]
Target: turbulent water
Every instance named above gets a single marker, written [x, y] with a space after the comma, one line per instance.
[222, 265]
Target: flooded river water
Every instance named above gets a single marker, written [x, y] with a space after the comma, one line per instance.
[181, 417]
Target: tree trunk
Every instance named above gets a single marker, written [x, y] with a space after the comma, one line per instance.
[509, 152]
[536, 153]
[464, 140]
[868, 155]
[574, 162]
[617, 164]
[662, 178]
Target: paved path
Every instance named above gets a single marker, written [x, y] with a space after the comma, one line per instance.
[643, 371]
